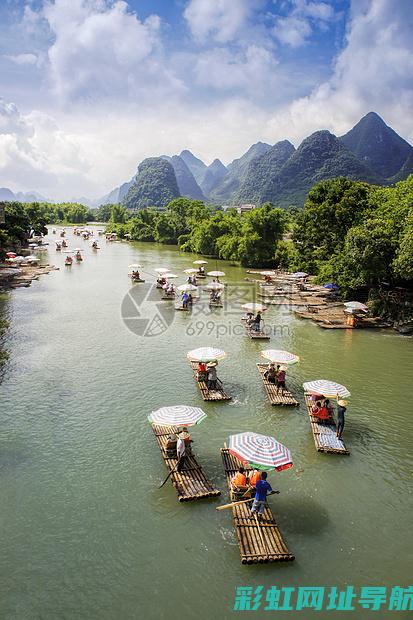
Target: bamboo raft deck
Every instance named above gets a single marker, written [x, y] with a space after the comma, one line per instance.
[256, 335]
[216, 304]
[271, 390]
[207, 394]
[325, 434]
[260, 542]
[191, 483]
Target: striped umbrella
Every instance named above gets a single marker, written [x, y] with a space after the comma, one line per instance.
[161, 270]
[267, 273]
[356, 305]
[253, 307]
[215, 286]
[206, 354]
[177, 415]
[184, 288]
[280, 357]
[260, 451]
[190, 271]
[200, 262]
[216, 274]
[330, 389]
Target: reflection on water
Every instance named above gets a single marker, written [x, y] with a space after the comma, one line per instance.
[87, 533]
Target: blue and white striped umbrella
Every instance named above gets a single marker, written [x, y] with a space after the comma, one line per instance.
[260, 451]
[177, 415]
[330, 389]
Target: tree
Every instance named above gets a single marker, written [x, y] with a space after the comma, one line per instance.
[118, 214]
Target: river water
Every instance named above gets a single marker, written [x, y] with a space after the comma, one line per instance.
[87, 534]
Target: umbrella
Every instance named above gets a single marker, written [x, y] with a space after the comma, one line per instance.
[190, 271]
[254, 307]
[300, 274]
[206, 354]
[161, 269]
[184, 288]
[260, 451]
[332, 286]
[216, 274]
[177, 415]
[267, 273]
[77, 250]
[215, 286]
[330, 389]
[11, 255]
[356, 305]
[135, 266]
[200, 262]
[32, 259]
[169, 276]
[19, 259]
[280, 357]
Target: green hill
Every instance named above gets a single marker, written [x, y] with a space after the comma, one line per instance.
[154, 185]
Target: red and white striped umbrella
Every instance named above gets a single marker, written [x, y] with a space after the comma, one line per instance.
[329, 389]
[260, 451]
[280, 357]
[177, 415]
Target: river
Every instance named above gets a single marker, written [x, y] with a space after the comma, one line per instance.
[87, 534]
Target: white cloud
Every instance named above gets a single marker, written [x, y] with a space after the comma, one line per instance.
[100, 49]
[21, 59]
[249, 71]
[297, 27]
[373, 72]
[220, 20]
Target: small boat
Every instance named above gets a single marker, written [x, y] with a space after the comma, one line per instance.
[68, 261]
[64, 243]
[255, 334]
[136, 279]
[58, 247]
[78, 257]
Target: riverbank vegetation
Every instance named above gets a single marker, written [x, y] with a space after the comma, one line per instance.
[357, 235]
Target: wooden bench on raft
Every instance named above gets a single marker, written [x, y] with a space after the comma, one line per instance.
[207, 394]
[325, 434]
[259, 541]
[275, 399]
[191, 483]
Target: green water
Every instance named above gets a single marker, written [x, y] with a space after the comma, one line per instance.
[86, 534]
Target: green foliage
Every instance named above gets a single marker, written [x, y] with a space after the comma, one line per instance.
[118, 214]
[155, 185]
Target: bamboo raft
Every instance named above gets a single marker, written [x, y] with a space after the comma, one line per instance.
[207, 394]
[259, 541]
[216, 304]
[256, 335]
[271, 390]
[325, 434]
[191, 483]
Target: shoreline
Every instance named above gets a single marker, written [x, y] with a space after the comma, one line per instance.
[22, 276]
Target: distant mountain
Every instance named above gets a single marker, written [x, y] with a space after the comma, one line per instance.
[186, 181]
[154, 185]
[236, 172]
[377, 145]
[261, 172]
[195, 165]
[213, 176]
[6, 194]
[320, 156]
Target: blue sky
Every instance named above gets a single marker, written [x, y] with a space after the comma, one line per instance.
[88, 88]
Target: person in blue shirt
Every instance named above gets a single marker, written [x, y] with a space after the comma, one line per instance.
[262, 489]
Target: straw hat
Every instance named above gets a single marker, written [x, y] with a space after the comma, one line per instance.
[283, 367]
[342, 403]
[211, 364]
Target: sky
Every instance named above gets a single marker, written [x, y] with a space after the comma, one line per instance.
[89, 88]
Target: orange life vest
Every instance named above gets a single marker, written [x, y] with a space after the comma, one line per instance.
[254, 477]
[240, 480]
